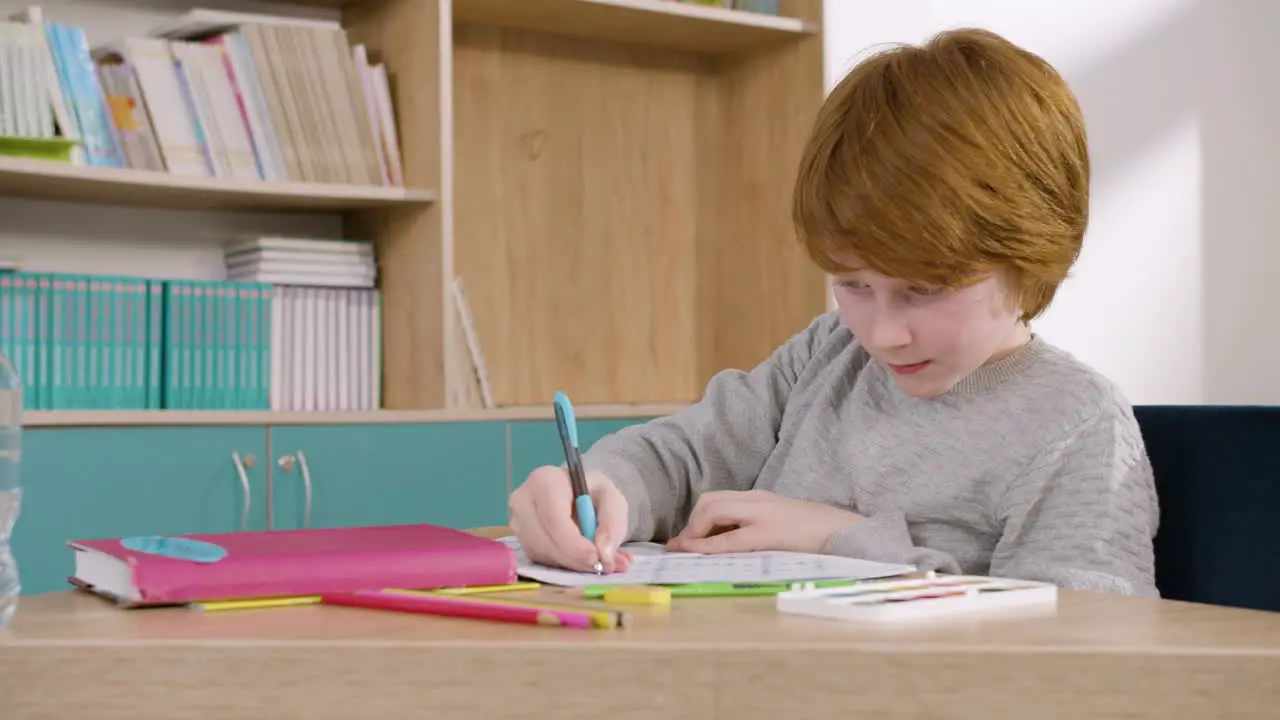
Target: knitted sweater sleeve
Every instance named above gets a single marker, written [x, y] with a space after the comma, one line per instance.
[1085, 513]
[720, 442]
[1082, 515]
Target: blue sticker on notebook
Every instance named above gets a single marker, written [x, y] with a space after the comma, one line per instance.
[176, 547]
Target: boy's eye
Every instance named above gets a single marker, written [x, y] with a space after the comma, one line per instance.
[926, 291]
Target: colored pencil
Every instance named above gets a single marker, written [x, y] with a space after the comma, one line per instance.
[601, 618]
[483, 589]
[444, 605]
[286, 601]
[719, 589]
[255, 603]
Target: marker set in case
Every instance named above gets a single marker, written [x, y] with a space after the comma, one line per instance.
[915, 598]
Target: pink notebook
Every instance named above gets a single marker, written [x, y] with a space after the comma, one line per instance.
[295, 562]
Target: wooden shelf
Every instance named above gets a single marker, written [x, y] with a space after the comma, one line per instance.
[661, 176]
[47, 180]
[649, 22]
[82, 418]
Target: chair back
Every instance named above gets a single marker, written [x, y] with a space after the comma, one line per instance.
[1217, 473]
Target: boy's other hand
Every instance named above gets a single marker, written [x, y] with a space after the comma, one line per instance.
[543, 519]
[736, 521]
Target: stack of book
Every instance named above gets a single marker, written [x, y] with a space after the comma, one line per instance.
[104, 342]
[213, 94]
[301, 261]
[124, 343]
[326, 349]
[217, 347]
[325, 318]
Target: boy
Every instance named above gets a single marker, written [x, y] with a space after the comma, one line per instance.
[945, 189]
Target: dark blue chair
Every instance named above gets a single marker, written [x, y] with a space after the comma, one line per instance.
[1217, 472]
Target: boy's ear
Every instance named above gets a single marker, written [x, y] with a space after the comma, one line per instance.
[1014, 295]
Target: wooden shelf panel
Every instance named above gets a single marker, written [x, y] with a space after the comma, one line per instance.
[83, 418]
[657, 23]
[47, 180]
[663, 178]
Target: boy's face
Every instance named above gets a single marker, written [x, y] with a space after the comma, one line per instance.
[928, 340]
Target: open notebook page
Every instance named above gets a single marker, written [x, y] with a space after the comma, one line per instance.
[653, 565]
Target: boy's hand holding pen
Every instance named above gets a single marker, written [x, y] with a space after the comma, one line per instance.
[567, 517]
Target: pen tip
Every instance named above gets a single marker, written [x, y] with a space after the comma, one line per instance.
[599, 569]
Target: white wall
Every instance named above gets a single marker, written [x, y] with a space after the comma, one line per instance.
[74, 237]
[1172, 296]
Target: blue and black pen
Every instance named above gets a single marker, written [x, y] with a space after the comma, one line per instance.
[573, 458]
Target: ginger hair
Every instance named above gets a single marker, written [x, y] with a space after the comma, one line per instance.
[942, 162]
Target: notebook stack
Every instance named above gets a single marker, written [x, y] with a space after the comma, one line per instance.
[301, 261]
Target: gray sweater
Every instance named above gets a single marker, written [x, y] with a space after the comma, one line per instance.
[1032, 467]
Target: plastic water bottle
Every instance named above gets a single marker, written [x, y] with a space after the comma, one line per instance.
[10, 486]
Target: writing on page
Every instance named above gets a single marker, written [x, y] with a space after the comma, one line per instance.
[653, 565]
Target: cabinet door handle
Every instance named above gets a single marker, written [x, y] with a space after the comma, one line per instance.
[306, 484]
[286, 463]
[244, 484]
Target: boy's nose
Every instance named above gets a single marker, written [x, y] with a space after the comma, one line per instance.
[888, 333]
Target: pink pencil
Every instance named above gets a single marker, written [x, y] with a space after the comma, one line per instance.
[459, 607]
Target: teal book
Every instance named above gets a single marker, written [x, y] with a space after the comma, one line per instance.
[215, 336]
[209, 343]
[262, 299]
[60, 336]
[71, 315]
[28, 334]
[43, 340]
[239, 343]
[130, 346]
[60, 342]
[96, 339]
[188, 351]
[124, 384]
[238, 397]
[9, 318]
[220, 340]
[172, 363]
[199, 328]
[80, 343]
[152, 340]
[190, 329]
[241, 387]
[132, 294]
[227, 387]
[190, 297]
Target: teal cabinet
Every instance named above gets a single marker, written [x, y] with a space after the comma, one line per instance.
[119, 481]
[82, 483]
[537, 442]
[452, 474]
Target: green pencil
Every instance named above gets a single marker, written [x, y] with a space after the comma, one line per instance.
[716, 589]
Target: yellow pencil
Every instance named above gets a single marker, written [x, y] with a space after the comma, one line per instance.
[480, 589]
[274, 602]
[256, 603]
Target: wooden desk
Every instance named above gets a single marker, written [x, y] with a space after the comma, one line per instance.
[71, 655]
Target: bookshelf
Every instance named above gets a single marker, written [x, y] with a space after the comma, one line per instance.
[655, 23]
[21, 177]
[609, 180]
[93, 418]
